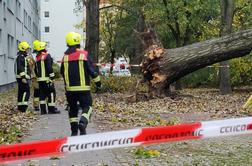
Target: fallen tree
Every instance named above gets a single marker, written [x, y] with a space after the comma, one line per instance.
[161, 67]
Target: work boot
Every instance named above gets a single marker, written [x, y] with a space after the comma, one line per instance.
[67, 107]
[82, 128]
[74, 128]
[43, 112]
[22, 108]
[43, 109]
[36, 108]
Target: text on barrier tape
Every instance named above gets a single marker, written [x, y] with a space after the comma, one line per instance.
[125, 138]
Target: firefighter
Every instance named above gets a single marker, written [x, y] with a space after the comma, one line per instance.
[76, 69]
[248, 104]
[23, 76]
[53, 88]
[35, 84]
[45, 77]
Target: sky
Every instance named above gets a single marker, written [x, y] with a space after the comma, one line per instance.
[61, 21]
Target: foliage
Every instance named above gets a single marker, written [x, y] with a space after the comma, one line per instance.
[241, 74]
[177, 23]
[56, 69]
[241, 71]
[143, 153]
[115, 84]
[116, 30]
[202, 78]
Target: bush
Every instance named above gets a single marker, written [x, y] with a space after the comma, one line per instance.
[202, 78]
[240, 73]
[120, 84]
[56, 70]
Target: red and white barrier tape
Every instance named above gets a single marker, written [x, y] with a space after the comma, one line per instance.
[125, 138]
[136, 65]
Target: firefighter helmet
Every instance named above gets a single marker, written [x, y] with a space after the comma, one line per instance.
[41, 46]
[35, 44]
[73, 38]
[23, 46]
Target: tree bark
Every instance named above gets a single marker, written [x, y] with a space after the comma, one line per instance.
[161, 67]
[139, 46]
[227, 13]
[92, 28]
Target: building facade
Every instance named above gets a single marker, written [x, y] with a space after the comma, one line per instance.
[19, 21]
[57, 19]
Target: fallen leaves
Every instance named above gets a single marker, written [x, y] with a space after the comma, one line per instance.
[13, 123]
[188, 106]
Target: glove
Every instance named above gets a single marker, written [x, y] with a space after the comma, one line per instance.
[24, 81]
[50, 84]
[51, 78]
[98, 86]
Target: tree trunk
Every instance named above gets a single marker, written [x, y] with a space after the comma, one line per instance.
[139, 46]
[161, 67]
[112, 60]
[227, 13]
[92, 28]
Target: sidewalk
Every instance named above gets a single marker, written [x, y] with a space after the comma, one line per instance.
[55, 126]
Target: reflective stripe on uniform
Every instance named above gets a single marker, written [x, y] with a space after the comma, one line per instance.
[43, 72]
[25, 66]
[66, 71]
[22, 103]
[81, 68]
[42, 102]
[43, 79]
[23, 98]
[36, 99]
[22, 74]
[87, 115]
[43, 67]
[97, 79]
[72, 120]
[78, 88]
[52, 104]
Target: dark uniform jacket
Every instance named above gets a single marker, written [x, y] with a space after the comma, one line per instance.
[44, 70]
[22, 66]
[76, 69]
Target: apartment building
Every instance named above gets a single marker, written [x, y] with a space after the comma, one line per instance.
[57, 19]
[19, 20]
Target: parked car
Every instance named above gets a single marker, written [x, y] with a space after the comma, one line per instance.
[120, 68]
[122, 72]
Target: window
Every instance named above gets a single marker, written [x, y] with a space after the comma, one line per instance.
[11, 5]
[29, 23]
[10, 46]
[4, 10]
[35, 30]
[47, 29]
[1, 39]
[25, 18]
[18, 9]
[46, 14]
